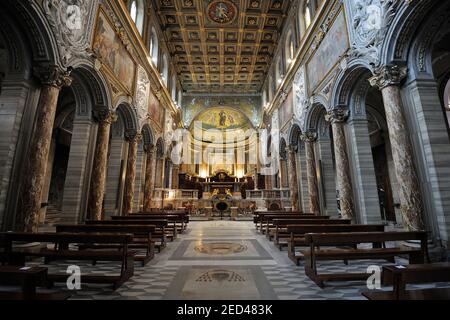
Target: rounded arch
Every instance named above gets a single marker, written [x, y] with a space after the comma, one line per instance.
[294, 135]
[90, 89]
[127, 113]
[160, 148]
[314, 115]
[165, 69]
[148, 136]
[283, 149]
[289, 47]
[351, 87]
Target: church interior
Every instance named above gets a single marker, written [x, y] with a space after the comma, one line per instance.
[224, 150]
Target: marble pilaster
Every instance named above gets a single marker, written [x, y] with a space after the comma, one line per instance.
[52, 79]
[293, 180]
[150, 171]
[133, 138]
[388, 80]
[337, 118]
[99, 167]
[309, 139]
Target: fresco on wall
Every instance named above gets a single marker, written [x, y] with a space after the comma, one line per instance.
[332, 48]
[111, 51]
[287, 110]
[194, 105]
[155, 111]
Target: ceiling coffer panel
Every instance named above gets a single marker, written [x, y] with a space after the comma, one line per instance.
[222, 46]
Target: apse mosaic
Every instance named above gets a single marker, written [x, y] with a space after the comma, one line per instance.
[248, 106]
[222, 118]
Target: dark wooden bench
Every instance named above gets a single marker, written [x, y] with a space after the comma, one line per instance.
[280, 232]
[27, 279]
[60, 251]
[175, 223]
[266, 220]
[170, 228]
[401, 276]
[159, 236]
[257, 215]
[316, 242]
[183, 217]
[297, 235]
[142, 237]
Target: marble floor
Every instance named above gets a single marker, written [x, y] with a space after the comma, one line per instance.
[223, 260]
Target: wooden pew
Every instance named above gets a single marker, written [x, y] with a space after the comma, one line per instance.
[280, 231]
[159, 236]
[266, 219]
[170, 228]
[318, 240]
[61, 251]
[176, 222]
[142, 237]
[258, 214]
[182, 215]
[401, 276]
[28, 280]
[297, 235]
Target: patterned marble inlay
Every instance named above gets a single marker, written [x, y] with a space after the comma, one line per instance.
[220, 248]
[221, 276]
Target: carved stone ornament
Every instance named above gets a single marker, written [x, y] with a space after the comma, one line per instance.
[338, 115]
[52, 75]
[301, 101]
[390, 75]
[142, 94]
[370, 20]
[72, 22]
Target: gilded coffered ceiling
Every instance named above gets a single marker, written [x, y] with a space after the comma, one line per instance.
[222, 46]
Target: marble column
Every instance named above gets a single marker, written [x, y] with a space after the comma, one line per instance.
[150, 171]
[309, 139]
[52, 79]
[337, 118]
[100, 165]
[175, 176]
[388, 80]
[133, 139]
[293, 181]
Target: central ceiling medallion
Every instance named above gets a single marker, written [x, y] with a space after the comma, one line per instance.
[223, 12]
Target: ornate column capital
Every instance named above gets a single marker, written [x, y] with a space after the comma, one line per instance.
[52, 75]
[292, 149]
[389, 75]
[105, 116]
[150, 149]
[132, 135]
[338, 115]
[309, 136]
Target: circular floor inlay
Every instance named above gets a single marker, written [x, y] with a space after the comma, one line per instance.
[220, 248]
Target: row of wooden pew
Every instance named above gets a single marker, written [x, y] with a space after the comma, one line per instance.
[310, 239]
[123, 240]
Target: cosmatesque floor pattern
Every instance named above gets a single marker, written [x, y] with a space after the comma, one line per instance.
[222, 260]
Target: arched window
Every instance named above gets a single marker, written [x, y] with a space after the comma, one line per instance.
[136, 8]
[174, 88]
[180, 98]
[165, 70]
[307, 14]
[279, 72]
[154, 46]
[289, 48]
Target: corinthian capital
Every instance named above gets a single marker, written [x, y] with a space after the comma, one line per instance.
[310, 136]
[132, 135]
[390, 75]
[105, 116]
[52, 75]
[338, 115]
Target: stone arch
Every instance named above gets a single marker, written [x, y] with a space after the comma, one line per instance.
[351, 88]
[283, 149]
[160, 149]
[34, 28]
[148, 136]
[294, 135]
[127, 114]
[315, 113]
